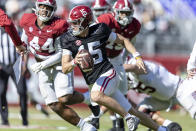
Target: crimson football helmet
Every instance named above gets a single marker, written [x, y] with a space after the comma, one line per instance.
[100, 7]
[123, 6]
[50, 14]
[80, 17]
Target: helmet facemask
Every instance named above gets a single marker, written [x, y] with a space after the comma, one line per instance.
[124, 17]
[80, 17]
[77, 26]
[46, 14]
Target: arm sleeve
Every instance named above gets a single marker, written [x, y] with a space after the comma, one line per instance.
[192, 60]
[10, 28]
[103, 19]
[54, 59]
[4, 20]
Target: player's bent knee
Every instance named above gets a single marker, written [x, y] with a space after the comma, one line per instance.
[96, 96]
[141, 109]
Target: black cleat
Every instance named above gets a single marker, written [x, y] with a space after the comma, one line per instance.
[132, 123]
[174, 127]
[95, 122]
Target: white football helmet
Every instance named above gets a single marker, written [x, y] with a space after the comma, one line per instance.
[100, 7]
[126, 7]
[50, 3]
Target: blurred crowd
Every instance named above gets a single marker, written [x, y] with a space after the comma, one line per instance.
[161, 32]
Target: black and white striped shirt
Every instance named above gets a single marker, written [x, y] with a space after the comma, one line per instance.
[8, 53]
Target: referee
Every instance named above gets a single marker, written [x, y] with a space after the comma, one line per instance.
[8, 57]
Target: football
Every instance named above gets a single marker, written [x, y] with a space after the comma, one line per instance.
[87, 61]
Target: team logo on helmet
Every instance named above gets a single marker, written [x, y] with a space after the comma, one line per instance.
[80, 17]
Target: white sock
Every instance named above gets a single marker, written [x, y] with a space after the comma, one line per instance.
[118, 116]
[113, 117]
[161, 128]
[101, 113]
[167, 122]
[81, 123]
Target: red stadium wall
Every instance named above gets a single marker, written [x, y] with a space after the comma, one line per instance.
[172, 63]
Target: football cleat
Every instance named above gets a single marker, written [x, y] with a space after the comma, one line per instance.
[88, 127]
[132, 123]
[89, 118]
[95, 122]
[174, 127]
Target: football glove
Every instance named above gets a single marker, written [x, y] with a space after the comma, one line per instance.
[37, 67]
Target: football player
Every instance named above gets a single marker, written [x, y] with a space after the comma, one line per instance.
[103, 80]
[121, 21]
[165, 89]
[41, 30]
[100, 7]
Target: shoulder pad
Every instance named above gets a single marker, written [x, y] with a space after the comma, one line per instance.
[27, 18]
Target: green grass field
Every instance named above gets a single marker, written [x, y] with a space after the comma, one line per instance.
[38, 122]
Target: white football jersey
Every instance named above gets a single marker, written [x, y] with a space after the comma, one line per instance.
[192, 60]
[158, 82]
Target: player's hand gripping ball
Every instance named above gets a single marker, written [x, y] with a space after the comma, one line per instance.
[86, 64]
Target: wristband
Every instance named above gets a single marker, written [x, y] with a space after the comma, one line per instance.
[136, 55]
[73, 63]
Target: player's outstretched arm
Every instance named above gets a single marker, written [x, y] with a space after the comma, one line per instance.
[52, 60]
[133, 68]
[131, 49]
[10, 28]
